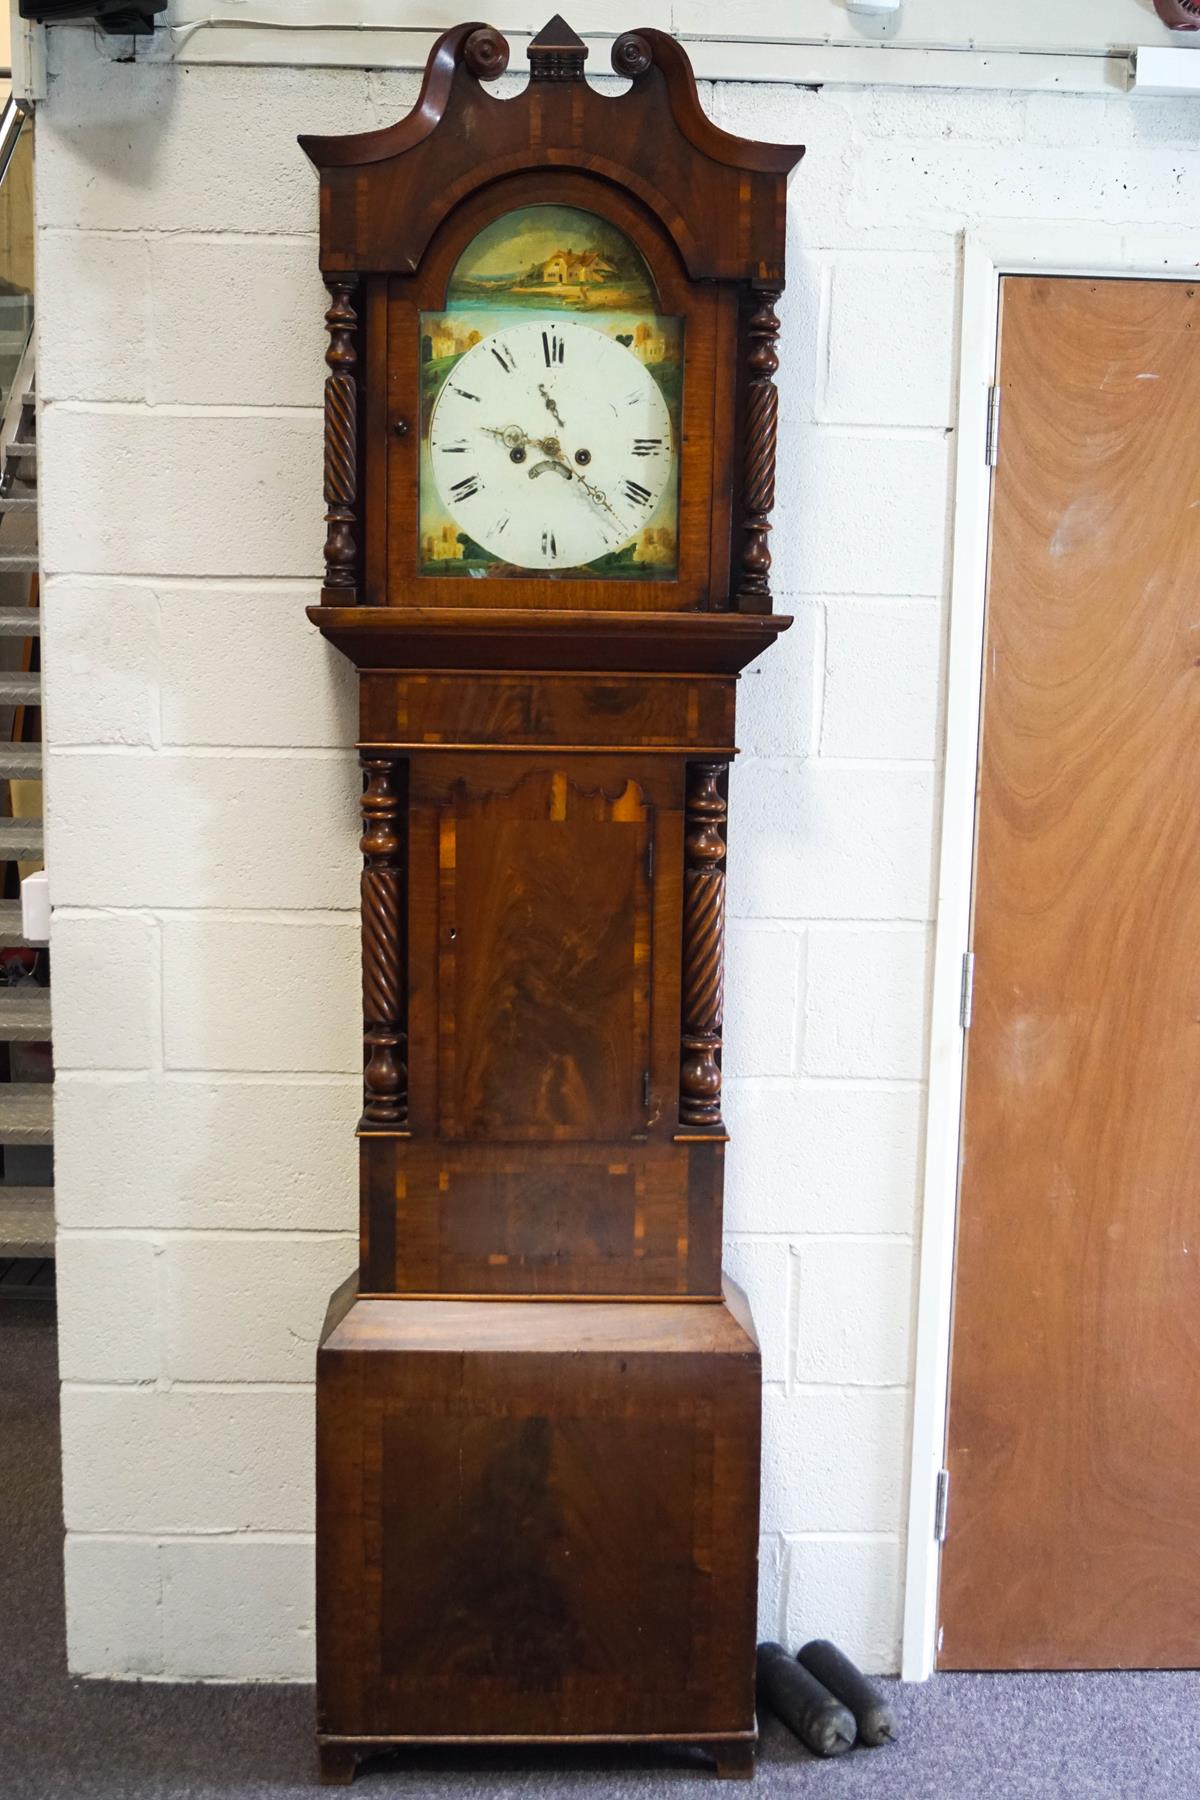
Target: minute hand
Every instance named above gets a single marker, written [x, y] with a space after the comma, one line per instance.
[595, 493]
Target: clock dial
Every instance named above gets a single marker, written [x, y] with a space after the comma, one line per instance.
[551, 444]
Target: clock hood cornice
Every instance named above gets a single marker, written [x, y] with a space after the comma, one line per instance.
[434, 637]
[384, 193]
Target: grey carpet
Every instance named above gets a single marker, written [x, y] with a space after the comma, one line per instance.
[965, 1737]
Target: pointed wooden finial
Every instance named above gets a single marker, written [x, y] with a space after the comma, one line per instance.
[556, 53]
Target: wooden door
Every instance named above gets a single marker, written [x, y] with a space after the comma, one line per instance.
[544, 944]
[1074, 1427]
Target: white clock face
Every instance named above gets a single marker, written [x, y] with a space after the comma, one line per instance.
[550, 444]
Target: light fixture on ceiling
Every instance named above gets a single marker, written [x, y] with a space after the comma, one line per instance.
[1169, 72]
[875, 19]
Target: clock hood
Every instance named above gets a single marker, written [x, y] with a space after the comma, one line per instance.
[428, 162]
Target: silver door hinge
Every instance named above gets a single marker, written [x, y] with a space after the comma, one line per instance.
[993, 427]
[966, 997]
[941, 1506]
[646, 1088]
[650, 860]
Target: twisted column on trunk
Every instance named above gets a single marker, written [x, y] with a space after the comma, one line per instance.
[703, 947]
[385, 1077]
[341, 437]
[758, 466]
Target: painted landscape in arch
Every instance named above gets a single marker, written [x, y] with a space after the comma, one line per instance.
[542, 261]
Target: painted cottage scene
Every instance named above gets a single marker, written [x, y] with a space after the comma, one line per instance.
[538, 258]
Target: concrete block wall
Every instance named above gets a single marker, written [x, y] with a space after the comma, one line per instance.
[202, 837]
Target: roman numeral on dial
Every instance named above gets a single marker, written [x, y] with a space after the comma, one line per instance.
[506, 497]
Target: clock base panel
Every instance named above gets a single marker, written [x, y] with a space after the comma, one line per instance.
[536, 1523]
[732, 1758]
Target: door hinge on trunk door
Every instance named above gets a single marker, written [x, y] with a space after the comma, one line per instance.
[966, 995]
[992, 443]
[941, 1506]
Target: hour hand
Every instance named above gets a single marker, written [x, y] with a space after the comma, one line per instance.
[513, 438]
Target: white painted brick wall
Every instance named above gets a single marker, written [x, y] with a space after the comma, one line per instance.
[181, 493]
[882, 685]
[882, 503]
[258, 994]
[866, 1002]
[190, 1152]
[101, 638]
[213, 816]
[106, 998]
[836, 1459]
[114, 1612]
[845, 1586]
[150, 663]
[187, 1459]
[214, 1323]
[109, 1317]
[885, 361]
[202, 832]
[819, 839]
[242, 1609]
[192, 1609]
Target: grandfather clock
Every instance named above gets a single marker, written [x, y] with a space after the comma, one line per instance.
[549, 469]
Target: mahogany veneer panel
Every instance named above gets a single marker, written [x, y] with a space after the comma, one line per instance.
[550, 1508]
[551, 1003]
[543, 943]
[538, 708]
[643, 1218]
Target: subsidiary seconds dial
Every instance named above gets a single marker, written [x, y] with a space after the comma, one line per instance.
[550, 444]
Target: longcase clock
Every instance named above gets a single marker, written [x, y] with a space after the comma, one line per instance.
[550, 440]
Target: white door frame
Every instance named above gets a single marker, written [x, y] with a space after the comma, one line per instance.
[1012, 248]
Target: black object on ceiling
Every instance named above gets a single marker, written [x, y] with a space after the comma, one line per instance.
[123, 16]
